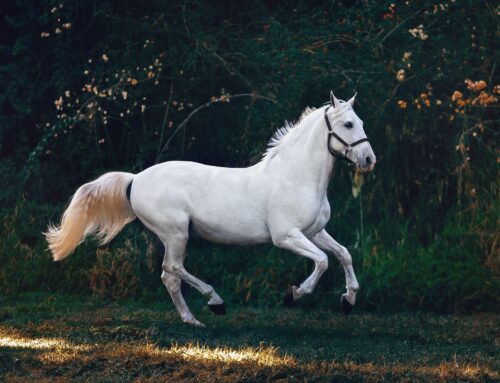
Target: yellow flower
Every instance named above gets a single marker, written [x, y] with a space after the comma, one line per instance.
[456, 95]
[475, 86]
[486, 99]
[402, 104]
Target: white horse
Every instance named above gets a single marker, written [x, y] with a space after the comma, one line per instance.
[282, 199]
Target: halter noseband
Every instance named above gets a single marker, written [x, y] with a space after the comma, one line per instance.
[348, 147]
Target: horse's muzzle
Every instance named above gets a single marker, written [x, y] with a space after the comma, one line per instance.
[367, 164]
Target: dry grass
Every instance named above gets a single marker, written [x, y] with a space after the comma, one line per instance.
[92, 342]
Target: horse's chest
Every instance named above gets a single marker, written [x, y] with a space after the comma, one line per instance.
[309, 215]
[318, 220]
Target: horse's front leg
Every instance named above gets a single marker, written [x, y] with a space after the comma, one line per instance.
[324, 241]
[297, 242]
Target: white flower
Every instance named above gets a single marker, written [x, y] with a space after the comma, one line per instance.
[418, 32]
[400, 76]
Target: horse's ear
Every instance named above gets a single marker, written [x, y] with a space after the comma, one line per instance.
[351, 101]
[333, 100]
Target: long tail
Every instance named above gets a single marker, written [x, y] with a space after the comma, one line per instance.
[99, 207]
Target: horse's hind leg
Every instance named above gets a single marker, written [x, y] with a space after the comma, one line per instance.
[173, 285]
[173, 263]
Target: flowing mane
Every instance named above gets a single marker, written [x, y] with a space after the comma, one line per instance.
[281, 133]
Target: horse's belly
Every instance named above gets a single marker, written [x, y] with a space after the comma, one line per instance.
[231, 231]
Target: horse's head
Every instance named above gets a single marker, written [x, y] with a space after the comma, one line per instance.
[347, 139]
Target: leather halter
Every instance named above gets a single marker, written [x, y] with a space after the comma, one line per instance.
[348, 147]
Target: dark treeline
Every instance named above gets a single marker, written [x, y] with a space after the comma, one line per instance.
[89, 87]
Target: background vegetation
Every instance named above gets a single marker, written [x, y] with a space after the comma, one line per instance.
[89, 87]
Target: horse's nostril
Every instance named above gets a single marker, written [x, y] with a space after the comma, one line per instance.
[368, 160]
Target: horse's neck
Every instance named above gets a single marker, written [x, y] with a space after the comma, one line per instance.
[306, 159]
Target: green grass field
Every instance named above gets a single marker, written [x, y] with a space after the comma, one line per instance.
[47, 338]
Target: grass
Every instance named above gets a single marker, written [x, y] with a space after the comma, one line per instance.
[55, 338]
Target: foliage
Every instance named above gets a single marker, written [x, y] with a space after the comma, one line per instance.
[90, 87]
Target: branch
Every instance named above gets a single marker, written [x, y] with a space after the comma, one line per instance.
[164, 123]
[399, 25]
[225, 98]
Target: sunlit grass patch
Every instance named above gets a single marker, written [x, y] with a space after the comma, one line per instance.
[40, 343]
[196, 353]
[447, 370]
[263, 355]
[49, 350]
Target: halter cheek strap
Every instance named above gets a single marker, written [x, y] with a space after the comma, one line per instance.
[348, 147]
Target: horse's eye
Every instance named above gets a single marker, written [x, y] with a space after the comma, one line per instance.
[348, 125]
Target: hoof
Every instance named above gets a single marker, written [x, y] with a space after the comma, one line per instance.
[288, 299]
[346, 306]
[219, 309]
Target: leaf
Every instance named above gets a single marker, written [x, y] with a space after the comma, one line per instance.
[357, 184]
